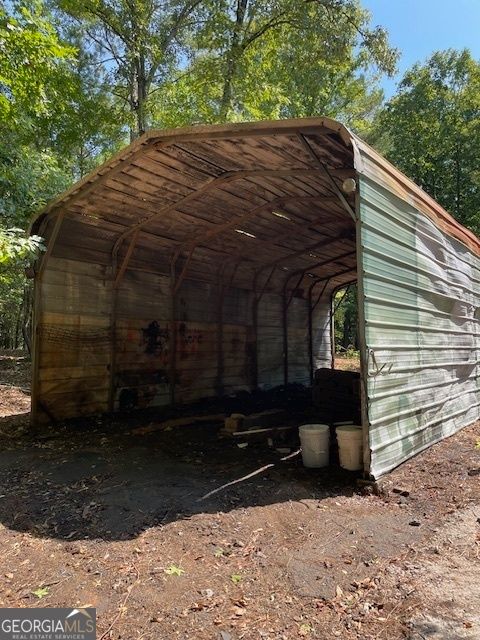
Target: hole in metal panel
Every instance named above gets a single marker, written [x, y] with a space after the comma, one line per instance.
[245, 233]
[281, 214]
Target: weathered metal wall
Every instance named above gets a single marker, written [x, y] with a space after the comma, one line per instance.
[212, 357]
[212, 352]
[421, 300]
[270, 341]
[72, 341]
[321, 332]
[100, 349]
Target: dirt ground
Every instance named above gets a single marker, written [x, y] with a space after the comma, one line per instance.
[96, 515]
[347, 364]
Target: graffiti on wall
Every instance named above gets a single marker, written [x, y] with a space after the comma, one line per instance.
[155, 339]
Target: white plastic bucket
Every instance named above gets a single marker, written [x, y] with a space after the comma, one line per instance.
[315, 441]
[350, 447]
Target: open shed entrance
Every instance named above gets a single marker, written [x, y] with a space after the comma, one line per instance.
[199, 265]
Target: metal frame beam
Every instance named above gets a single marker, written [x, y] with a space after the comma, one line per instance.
[329, 176]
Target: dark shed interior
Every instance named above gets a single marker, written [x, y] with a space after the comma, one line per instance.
[196, 263]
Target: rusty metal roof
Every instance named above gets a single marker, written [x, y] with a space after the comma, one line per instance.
[253, 142]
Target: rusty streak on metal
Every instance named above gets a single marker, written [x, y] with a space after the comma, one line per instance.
[213, 183]
[173, 336]
[302, 273]
[265, 285]
[321, 292]
[255, 304]
[236, 264]
[219, 386]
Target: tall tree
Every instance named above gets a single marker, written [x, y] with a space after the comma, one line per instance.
[431, 130]
[89, 123]
[140, 41]
[284, 58]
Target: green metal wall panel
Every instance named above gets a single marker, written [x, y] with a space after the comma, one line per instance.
[421, 296]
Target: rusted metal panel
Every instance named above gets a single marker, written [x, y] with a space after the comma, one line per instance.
[421, 299]
[73, 337]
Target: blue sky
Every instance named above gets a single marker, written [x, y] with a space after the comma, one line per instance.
[419, 27]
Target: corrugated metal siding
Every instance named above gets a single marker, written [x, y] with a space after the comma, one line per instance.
[270, 341]
[321, 333]
[421, 300]
[298, 352]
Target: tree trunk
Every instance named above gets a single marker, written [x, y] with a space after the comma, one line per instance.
[458, 170]
[141, 95]
[27, 316]
[233, 56]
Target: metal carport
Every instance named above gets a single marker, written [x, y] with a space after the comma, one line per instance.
[201, 261]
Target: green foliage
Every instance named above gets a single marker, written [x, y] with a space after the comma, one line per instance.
[224, 60]
[57, 121]
[16, 249]
[30, 56]
[76, 78]
[431, 130]
[245, 51]
[28, 179]
[141, 42]
[345, 321]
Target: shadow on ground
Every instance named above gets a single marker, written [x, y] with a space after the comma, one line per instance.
[103, 482]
